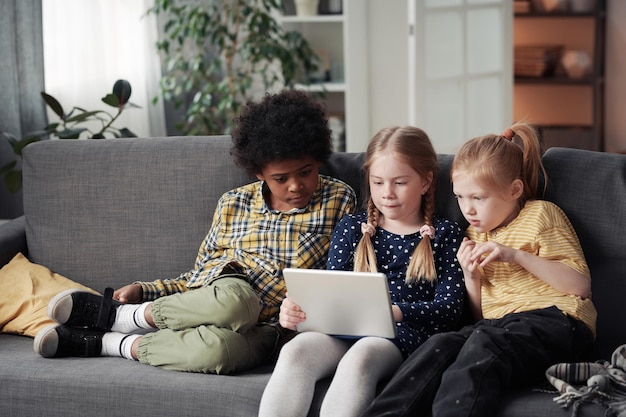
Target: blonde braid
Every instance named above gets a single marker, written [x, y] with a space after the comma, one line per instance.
[364, 255]
[422, 263]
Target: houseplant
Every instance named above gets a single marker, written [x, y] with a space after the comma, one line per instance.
[78, 122]
[221, 53]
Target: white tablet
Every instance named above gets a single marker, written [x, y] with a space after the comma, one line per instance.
[342, 303]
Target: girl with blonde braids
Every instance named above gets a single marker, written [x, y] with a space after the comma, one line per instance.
[397, 234]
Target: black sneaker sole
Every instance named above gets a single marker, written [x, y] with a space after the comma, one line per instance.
[47, 341]
[56, 341]
[79, 308]
[60, 306]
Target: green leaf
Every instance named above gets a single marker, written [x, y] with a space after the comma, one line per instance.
[126, 133]
[224, 46]
[13, 181]
[73, 133]
[122, 91]
[131, 105]
[81, 117]
[112, 100]
[7, 167]
[54, 104]
[20, 145]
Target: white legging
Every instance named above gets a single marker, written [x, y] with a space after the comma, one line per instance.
[310, 357]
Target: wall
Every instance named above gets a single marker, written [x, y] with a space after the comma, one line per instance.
[615, 109]
[388, 63]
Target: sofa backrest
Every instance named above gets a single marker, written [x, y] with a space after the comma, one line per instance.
[590, 187]
[111, 211]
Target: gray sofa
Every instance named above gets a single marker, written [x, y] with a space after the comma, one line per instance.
[108, 212]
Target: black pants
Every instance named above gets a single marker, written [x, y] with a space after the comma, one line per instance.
[463, 373]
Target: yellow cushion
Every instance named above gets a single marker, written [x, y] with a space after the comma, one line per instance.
[25, 290]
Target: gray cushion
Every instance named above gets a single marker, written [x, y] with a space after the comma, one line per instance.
[36, 386]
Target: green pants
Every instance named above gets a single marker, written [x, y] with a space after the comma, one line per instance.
[211, 329]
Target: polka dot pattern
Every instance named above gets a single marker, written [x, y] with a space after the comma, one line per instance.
[428, 308]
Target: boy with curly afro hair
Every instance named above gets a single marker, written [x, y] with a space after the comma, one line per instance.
[221, 316]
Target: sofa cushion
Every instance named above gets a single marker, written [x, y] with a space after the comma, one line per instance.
[26, 289]
[62, 387]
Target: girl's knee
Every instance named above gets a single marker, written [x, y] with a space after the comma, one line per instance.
[300, 346]
[305, 347]
[370, 350]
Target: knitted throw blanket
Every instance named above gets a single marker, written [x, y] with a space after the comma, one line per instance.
[592, 382]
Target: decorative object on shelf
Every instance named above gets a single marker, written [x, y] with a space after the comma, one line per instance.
[577, 64]
[536, 60]
[550, 6]
[331, 7]
[306, 7]
[71, 126]
[521, 6]
[582, 6]
[322, 73]
[337, 128]
[336, 72]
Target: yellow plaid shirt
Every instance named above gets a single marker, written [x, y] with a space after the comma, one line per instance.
[254, 240]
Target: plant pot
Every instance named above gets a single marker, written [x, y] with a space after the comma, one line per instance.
[306, 7]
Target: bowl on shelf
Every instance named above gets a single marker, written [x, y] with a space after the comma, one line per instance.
[550, 6]
[306, 7]
[577, 64]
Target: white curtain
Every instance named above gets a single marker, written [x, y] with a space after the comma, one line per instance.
[89, 44]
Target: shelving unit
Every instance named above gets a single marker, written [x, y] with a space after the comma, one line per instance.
[569, 111]
[343, 38]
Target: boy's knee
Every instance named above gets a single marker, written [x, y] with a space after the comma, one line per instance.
[232, 351]
[216, 361]
[238, 301]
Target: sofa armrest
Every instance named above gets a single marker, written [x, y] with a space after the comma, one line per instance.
[12, 239]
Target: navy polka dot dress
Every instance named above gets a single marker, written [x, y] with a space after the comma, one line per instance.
[427, 307]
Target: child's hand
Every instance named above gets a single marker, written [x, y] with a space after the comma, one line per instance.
[487, 252]
[468, 263]
[398, 315]
[128, 294]
[290, 314]
[472, 274]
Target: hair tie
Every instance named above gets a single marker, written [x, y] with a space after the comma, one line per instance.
[508, 133]
[368, 228]
[427, 230]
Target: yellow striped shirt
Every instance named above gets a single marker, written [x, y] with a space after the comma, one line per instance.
[541, 228]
